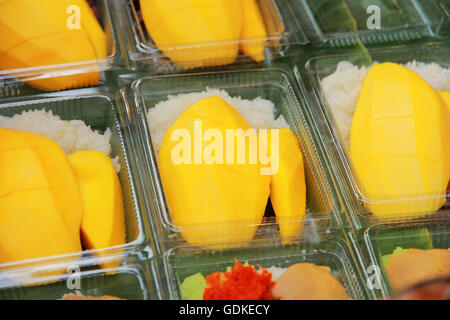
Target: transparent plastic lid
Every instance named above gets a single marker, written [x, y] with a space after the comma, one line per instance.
[99, 112]
[71, 50]
[181, 35]
[274, 85]
[328, 251]
[336, 82]
[345, 22]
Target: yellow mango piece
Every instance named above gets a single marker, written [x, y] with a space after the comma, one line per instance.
[195, 33]
[288, 188]
[91, 26]
[103, 221]
[40, 206]
[211, 201]
[60, 175]
[399, 142]
[253, 35]
[36, 34]
[446, 97]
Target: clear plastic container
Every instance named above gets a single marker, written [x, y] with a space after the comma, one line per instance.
[330, 251]
[343, 23]
[383, 239]
[99, 111]
[131, 281]
[281, 32]
[337, 150]
[276, 85]
[12, 81]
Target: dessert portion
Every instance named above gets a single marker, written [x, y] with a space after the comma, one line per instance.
[288, 188]
[39, 198]
[103, 221]
[409, 267]
[305, 281]
[218, 171]
[260, 113]
[48, 197]
[343, 88]
[301, 281]
[196, 34]
[397, 126]
[211, 192]
[64, 38]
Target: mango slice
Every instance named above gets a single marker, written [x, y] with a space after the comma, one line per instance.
[446, 97]
[211, 203]
[253, 35]
[288, 188]
[40, 204]
[92, 27]
[399, 142]
[29, 42]
[103, 221]
[195, 33]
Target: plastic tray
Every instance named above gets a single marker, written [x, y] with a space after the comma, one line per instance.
[131, 281]
[382, 239]
[281, 33]
[273, 84]
[355, 197]
[345, 22]
[99, 112]
[11, 86]
[330, 251]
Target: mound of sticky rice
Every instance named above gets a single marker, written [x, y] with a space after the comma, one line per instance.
[342, 88]
[70, 135]
[259, 113]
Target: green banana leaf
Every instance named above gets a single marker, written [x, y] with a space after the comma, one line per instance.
[385, 259]
[391, 15]
[334, 16]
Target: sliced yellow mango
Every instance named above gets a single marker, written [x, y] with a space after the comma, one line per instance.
[399, 142]
[91, 26]
[40, 205]
[103, 221]
[195, 33]
[59, 174]
[446, 97]
[253, 35]
[288, 188]
[211, 203]
[36, 33]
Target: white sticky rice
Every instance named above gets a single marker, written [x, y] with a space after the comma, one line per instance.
[276, 272]
[71, 136]
[342, 88]
[258, 112]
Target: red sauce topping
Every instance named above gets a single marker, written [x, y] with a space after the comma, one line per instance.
[241, 283]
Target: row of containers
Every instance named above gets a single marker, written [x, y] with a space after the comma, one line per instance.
[305, 41]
